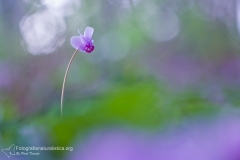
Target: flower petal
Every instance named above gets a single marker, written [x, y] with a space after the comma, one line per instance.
[76, 42]
[79, 32]
[84, 40]
[88, 32]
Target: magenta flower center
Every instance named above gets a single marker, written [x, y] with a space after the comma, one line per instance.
[89, 48]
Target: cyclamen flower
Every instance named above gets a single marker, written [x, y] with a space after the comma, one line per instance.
[83, 43]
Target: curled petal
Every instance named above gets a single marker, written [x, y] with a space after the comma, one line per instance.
[84, 40]
[79, 32]
[88, 32]
[76, 42]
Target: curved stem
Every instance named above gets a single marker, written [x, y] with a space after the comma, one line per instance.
[64, 80]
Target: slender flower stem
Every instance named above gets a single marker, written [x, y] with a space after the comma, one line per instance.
[64, 80]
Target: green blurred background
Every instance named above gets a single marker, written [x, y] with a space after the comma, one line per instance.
[156, 64]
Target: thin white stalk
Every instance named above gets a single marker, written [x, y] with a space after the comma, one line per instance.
[64, 80]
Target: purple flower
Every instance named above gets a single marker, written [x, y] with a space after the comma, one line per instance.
[84, 42]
